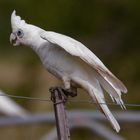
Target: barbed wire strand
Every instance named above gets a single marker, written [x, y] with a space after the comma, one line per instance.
[69, 100]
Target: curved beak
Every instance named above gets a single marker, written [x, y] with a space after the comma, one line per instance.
[13, 39]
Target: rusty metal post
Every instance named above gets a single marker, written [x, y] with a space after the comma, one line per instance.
[59, 100]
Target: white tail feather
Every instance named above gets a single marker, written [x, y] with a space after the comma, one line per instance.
[112, 79]
[109, 87]
[120, 102]
[95, 91]
[105, 109]
[114, 93]
[112, 98]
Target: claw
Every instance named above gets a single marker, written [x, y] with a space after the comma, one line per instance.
[67, 92]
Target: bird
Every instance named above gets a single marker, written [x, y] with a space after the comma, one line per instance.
[72, 62]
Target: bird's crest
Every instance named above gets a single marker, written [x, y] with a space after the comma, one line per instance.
[16, 21]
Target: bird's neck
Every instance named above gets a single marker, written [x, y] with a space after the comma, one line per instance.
[36, 43]
[41, 47]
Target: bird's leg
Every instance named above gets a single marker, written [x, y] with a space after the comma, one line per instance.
[68, 89]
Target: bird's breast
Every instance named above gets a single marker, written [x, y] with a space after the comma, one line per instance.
[60, 63]
[55, 59]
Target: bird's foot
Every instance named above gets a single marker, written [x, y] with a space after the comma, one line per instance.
[60, 90]
[67, 92]
[70, 92]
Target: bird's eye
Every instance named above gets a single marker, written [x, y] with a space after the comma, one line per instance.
[20, 33]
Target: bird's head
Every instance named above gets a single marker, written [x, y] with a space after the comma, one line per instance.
[22, 33]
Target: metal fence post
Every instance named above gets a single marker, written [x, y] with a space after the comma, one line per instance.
[59, 100]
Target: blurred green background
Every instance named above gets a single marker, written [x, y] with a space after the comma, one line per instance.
[111, 29]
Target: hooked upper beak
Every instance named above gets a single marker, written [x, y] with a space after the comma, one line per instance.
[13, 39]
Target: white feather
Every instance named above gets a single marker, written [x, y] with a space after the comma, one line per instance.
[95, 92]
[78, 49]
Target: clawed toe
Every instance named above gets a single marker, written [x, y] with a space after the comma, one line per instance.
[67, 92]
[52, 89]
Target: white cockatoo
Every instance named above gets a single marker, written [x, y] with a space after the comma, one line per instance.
[70, 61]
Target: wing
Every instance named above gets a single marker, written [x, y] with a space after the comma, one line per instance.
[76, 48]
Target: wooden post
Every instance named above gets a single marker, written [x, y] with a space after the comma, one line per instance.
[59, 100]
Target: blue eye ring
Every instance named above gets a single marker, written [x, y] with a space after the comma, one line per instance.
[20, 33]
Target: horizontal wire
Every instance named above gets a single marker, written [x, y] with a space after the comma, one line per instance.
[69, 100]
[26, 97]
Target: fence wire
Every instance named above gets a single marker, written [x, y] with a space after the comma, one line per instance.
[43, 99]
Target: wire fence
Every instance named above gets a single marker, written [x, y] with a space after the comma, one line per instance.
[78, 118]
[43, 99]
